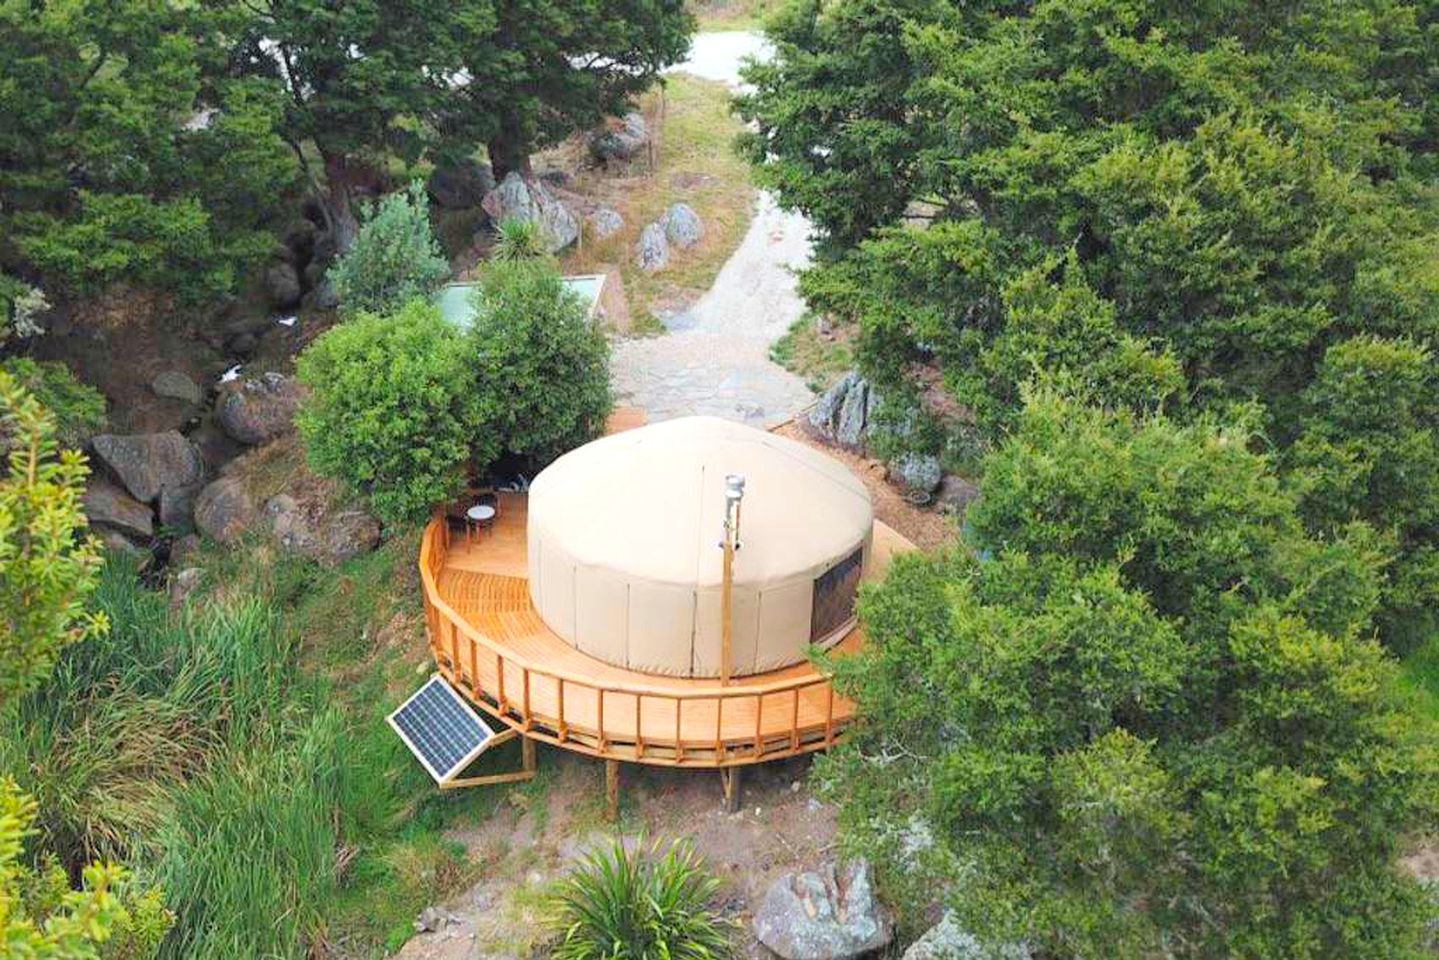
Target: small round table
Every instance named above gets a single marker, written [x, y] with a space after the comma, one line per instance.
[476, 518]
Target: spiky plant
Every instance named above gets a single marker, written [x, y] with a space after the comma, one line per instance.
[519, 239]
[652, 904]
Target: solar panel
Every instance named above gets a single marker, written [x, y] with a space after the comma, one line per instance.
[441, 729]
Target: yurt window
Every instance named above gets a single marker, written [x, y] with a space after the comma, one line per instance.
[834, 593]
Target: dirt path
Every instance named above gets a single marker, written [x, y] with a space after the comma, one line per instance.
[715, 358]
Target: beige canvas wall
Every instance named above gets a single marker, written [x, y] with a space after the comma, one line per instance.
[624, 545]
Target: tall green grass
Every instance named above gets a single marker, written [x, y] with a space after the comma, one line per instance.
[195, 749]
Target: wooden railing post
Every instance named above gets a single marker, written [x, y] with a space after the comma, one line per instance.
[639, 733]
[601, 691]
[525, 673]
[562, 731]
[794, 722]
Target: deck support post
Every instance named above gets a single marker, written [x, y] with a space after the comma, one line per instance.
[730, 781]
[528, 761]
[612, 791]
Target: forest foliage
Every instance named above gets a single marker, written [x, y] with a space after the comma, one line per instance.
[161, 144]
[1175, 267]
[1219, 208]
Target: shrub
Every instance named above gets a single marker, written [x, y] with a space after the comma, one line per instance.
[47, 568]
[394, 410]
[1151, 720]
[518, 240]
[176, 741]
[78, 408]
[537, 353]
[619, 905]
[395, 259]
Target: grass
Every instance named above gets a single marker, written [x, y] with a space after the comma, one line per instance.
[696, 164]
[235, 752]
[734, 14]
[820, 360]
[1419, 677]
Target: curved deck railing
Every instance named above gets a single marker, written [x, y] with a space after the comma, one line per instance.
[707, 726]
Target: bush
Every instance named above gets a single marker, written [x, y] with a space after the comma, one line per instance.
[47, 568]
[537, 353]
[1149, 719]
[619, 905]
[78, 408]
[395, 259]
[518, 239]
[394, 410]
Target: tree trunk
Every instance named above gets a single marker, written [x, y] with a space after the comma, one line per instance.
[508, 149]
[339, 201]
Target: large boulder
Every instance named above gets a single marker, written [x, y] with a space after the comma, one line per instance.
[620, 140]
[823, 915]
[462, 185]
[224, 510]
[258, 409]
[683, 227]
[917, 474]
[653, 250]
[282, 284]
[329, 536]
[946, 941]
[147, 463]
[605, 222]
[522, 199]
[106, 505]
[177, 385]
[844, 413]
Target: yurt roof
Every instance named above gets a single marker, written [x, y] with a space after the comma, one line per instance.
[649, 503]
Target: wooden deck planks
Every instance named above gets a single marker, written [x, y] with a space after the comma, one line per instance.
[679, 719]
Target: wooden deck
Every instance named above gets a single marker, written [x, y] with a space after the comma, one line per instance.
[490, 642]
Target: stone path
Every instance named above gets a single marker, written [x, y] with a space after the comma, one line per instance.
[715, 359]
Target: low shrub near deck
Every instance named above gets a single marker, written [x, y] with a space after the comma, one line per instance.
[653, 902]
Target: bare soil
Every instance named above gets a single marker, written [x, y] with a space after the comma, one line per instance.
[538, 834]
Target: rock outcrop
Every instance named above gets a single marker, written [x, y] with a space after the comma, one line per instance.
[256, 410]
[147, 463]
[329, 536]
[826, 914]
[460, 186]
[946, 941]
[653, 250]
[620, 140]
[177, 385]
[282, 286]
[683, 227]
[522, 199]
[605, 222]
[108, 506]
[224, 510]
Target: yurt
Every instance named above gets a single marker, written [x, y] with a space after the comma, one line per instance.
[626, 558]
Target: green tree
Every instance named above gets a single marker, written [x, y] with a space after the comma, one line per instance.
[538, 355]
[1152, 722]
[1218, 194]
[394, 411]
[116, 117]
[48, 567]
[395, 259]
[547, 68]
[396, 100]
[1368, 448]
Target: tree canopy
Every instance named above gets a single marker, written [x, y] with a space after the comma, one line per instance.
[117, 118]
[1153, 721]
[1186, 207]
